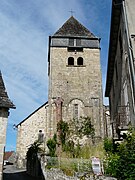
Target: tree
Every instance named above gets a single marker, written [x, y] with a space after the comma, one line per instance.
[121, 163]
[87, 127]
[62, 128]
[82, 127]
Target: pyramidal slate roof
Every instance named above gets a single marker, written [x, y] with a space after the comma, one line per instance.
[73, 28]
[4, 99]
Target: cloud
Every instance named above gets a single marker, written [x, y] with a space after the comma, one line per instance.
[23, 54]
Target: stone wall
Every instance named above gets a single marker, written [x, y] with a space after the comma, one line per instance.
[28, 132]
[76, 83]
[37, 168]
[3, 127]
[59, 175]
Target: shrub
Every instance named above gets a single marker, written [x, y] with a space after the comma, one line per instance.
[121, 164]
[108, 145]
[51, 144]
[33, 150]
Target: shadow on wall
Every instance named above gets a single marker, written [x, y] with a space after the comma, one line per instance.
[19, 175]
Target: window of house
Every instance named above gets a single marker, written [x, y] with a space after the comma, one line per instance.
[80, 61]
[70, 61]
[75, 116]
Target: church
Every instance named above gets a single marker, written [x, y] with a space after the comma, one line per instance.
[75, 86]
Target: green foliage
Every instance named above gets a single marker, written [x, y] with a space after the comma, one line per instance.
[112, 164]
[87, 127]
[33, 150]
[75, 128]
[52, 163]
[121, 164]
[68, 166]
[82, 127]
[62, 128]
[69, 146]
[51, 144]
[72, 149]
[108, 145]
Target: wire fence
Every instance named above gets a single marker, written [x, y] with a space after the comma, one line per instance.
[69, 165]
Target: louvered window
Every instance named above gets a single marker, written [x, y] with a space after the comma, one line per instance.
[74, 42]
[71, 42]
[78, 42]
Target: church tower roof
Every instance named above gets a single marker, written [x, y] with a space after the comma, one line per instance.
[73, 28]
[4, 99]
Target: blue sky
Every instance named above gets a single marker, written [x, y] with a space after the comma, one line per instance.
[24, 29]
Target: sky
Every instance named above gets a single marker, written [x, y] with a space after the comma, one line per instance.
[25, 26]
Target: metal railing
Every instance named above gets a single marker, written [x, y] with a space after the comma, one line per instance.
[121, 119]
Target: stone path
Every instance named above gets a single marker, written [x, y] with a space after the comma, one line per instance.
[11, 173]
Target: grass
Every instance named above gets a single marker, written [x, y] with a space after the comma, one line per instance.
[82, 163]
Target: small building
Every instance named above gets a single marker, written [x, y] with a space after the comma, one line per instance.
[5, 105]
[120, 84]
[28, 132]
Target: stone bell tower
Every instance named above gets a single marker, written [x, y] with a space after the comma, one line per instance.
[5, 105]
[74, 76]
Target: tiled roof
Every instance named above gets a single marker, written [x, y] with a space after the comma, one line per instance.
[4, 99]
[73, 28]
[8, 154]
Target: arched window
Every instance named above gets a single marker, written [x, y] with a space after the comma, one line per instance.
[75, 111]
[80, 61]
[70, 61]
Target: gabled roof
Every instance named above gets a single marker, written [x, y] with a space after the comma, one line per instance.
[8, 154]
[73, 28]
[4, 99]
[45, 104]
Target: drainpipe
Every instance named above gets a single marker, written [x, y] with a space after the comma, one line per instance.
[131, 58]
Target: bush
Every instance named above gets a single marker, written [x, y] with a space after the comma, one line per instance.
[111, 166]
[108, 145]
[33, 150]
[121, 164]
[51, 144]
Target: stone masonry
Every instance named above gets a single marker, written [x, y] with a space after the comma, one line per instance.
[5, 105]
[74, 81]
[77, 84]
[28, 131]
[3, 126]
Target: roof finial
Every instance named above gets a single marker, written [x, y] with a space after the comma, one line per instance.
[72, 12]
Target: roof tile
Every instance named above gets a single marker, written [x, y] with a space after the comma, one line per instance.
[73, 28]
[4, 99]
